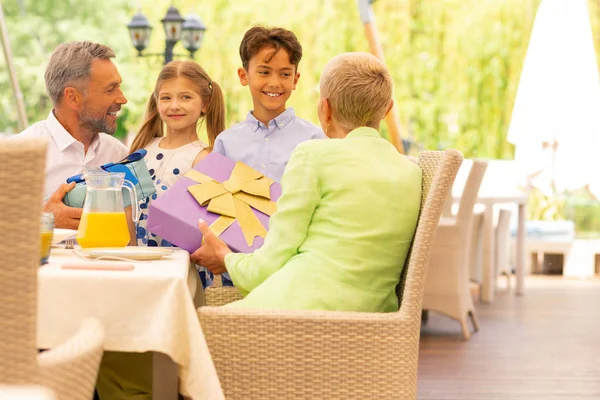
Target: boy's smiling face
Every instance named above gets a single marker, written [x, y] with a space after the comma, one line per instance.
[271, 78]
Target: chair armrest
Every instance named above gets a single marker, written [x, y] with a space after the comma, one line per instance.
[312, 354]
[71, 369]
[221, 295]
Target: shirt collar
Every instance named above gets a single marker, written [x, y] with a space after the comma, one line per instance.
[363, 131]
[62, 137]
[285, 117]
[280, 121]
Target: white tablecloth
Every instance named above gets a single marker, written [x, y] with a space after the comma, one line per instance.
[25, 392]
[149, 308]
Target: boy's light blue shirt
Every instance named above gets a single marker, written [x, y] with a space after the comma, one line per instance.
[266, 148]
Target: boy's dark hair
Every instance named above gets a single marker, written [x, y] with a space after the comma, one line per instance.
[259, 37]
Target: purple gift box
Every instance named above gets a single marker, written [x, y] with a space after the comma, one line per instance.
[174, 214]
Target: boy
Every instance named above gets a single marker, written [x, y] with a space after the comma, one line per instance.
[270, 133]
[266, 139]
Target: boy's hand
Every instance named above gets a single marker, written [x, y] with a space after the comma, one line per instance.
[65, 217]
[212, 252]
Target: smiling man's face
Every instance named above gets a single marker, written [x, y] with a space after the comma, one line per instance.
[102, 98]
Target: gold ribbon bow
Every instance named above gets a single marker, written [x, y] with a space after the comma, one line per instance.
[233, 198]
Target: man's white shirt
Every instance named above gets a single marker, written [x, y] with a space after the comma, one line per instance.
[66, 156]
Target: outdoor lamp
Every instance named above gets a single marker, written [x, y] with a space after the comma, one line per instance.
[172, 23]
[189, 30]
[192, 34]
[139, 30]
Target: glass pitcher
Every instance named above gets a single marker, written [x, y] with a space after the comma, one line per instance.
[103, 222]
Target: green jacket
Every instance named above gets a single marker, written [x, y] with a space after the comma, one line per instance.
[343, 226]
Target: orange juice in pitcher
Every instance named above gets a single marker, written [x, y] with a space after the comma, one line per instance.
[103, 222]
[103, 229]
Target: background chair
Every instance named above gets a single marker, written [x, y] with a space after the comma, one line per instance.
[447, 287]
[282, 354]
[70, 369]
[502, 178]
[502, 247]
[22, 164]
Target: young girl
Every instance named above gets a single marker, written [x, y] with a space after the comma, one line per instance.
[184, 95]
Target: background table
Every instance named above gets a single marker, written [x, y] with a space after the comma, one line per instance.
[504, 183]
[489, 200]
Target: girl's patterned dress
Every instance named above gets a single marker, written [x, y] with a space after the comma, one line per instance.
[166, 166]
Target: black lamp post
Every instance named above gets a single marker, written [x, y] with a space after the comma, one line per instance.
[189, 30]
[192, 33]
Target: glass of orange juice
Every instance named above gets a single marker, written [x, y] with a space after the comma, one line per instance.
[46, 233]
[103, 222]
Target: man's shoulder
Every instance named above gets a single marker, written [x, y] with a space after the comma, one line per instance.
[108, 142]
[39, 129]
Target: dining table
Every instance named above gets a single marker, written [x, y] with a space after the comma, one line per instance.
[144, 305]
[25, 392]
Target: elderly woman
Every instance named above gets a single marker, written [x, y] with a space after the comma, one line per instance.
[347, 213]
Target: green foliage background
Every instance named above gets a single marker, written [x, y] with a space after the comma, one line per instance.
[456, 63]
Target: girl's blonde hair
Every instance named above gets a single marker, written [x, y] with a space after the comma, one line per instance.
[210, 93]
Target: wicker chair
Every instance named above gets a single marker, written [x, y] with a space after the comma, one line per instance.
[70, 369]
[281, 354]
[447, 285]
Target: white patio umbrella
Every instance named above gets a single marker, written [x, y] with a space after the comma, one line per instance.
[555, 121]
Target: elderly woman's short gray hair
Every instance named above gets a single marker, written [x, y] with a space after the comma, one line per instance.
[359, 89]
[70, 64]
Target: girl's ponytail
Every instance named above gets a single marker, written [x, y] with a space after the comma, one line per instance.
[215, 113]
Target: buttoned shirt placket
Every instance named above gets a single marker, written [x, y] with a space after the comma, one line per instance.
[265, 148]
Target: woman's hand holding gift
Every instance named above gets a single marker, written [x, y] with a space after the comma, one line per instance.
[212, 252]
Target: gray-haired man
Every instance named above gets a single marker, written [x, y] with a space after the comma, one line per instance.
[85, 88]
